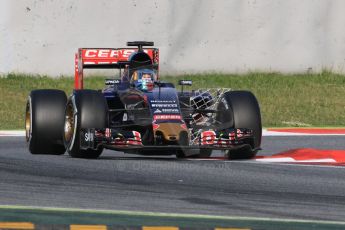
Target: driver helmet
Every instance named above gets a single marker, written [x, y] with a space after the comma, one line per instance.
[143, 79]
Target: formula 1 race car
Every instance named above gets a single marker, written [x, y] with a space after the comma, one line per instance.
[138, 113]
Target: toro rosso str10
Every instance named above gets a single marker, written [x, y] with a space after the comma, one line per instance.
[138, 113]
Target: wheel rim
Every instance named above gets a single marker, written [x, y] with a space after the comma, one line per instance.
[69, 123]
[28, 121]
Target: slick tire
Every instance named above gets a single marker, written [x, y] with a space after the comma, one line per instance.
[241, 110]
[84, 109]
[44, 121]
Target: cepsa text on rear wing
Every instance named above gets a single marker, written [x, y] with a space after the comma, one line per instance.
[105, 58]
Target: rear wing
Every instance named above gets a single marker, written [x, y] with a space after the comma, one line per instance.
[105, 58]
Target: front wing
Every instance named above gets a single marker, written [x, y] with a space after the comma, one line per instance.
[230, 139]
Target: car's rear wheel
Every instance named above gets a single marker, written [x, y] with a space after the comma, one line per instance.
[240, 109]
[44, 121]
[84, 109]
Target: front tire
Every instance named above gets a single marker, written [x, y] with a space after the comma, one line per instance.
[241, 110]
[84, 109]
[44, 121]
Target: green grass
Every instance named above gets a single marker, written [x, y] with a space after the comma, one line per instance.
[285, 100]
[15, 88]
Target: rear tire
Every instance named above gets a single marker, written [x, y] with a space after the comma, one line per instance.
[44, 121]
[241, 111]
[84, 109]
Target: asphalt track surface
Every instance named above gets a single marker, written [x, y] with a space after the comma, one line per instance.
[165, 184]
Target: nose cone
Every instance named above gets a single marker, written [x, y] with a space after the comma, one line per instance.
[171, 132]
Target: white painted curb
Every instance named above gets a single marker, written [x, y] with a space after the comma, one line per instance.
[268, 133]
[291, 160]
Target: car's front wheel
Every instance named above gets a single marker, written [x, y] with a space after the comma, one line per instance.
[240, 109]
[84, 109]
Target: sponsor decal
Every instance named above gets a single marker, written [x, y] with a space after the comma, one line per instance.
[107, 53]
[164, 105]
[167, 117]
[109, 56]
[163, 101]
[112, 81]
[185, 82]
[89, 137]
[208, 137]
[170, 111]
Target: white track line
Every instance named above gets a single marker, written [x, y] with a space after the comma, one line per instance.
[265, 132]
[12, 133]
[169, 215]
[268, 133]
